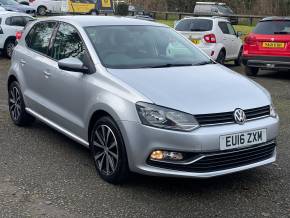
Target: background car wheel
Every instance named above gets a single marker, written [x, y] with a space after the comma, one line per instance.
[251, 71]
[221, 57]
[9, 47]
[109, 151]
[238, 61]
[17, 107]
[41, 10]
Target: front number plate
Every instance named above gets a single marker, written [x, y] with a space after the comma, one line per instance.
[239, 140]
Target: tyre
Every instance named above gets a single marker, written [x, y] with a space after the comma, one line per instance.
[238, 61]
[108, 151]
[251, 71]
[41, 10]
[9, 47]
[221, 57]
[16, 105]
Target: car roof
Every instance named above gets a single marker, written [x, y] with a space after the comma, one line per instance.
[11, 13]
[207, 18]
[276, 18]
[90, 20]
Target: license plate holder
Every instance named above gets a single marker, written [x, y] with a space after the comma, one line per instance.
[243, 139]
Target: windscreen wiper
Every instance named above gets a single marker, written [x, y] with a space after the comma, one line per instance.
[168, 65]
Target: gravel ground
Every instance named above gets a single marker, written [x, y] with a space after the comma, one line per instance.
[45, 174]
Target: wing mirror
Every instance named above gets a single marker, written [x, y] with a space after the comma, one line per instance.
[239, 34]
[73, 64]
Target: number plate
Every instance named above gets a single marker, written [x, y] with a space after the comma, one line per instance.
[243, 139]
[273, 44]
[195, 41]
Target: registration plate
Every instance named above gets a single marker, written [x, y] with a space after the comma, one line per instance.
[244, 139]
[195, 41]
[273, 44]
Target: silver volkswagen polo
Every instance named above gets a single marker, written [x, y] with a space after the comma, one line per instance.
[142, 97]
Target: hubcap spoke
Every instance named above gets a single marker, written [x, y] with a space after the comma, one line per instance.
[106, 151]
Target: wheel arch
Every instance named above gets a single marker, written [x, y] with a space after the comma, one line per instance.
[10, 38]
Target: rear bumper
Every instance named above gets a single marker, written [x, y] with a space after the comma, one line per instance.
[267, 62]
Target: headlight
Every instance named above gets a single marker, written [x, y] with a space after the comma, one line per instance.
[161, 117]
[273, 112]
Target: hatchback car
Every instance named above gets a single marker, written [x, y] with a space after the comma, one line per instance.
[215, 36]
[10, 24]
[11, 5]
[141, 97]
[268, 46]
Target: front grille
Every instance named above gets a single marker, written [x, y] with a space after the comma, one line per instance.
[223, 160]
[228, 117]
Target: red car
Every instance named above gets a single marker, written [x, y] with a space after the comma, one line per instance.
[268, 46]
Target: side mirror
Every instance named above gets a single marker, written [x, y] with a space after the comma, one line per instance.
[239, 34]
[72, 64]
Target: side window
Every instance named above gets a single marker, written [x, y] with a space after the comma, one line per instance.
[15, 21]
[224, 27]
[67, 43]
[39, 36]
[231, 29]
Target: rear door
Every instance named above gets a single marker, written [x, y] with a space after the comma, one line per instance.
[273, 38]
[37, 66]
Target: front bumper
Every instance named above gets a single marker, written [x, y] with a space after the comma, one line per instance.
[141, 140]
[267, 62]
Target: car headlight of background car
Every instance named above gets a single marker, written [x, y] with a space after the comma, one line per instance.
[165, 118]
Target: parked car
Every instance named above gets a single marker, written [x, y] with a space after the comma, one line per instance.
[11, 5]
[268, 46]
[215, 36]
[141, 97]
[10, 24]
[43, 7]
[215, 9]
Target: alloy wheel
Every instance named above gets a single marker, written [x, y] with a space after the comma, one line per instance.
[9, 49]
[106, 152]
[15, 103]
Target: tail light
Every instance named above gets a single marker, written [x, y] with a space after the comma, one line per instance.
[210, 38]
[251, 40]
[18, 35]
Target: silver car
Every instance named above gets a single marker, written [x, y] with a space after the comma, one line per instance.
[142, 97]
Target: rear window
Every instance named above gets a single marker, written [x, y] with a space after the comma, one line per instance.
[273, 27]
[198, 25]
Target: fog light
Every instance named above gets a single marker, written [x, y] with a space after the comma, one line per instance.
[166, 155]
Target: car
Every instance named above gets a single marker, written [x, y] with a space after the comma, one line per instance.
[11, 5]
[215, 9]
[268, 46]
[215, 36]
[141, 97]
[10, 24]
[44, 7]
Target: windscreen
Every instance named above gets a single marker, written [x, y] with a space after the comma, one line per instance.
[127, 47]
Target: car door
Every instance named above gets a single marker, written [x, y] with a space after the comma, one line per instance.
[235, 41]
[67, 89]
[228, 39]
[37, 66]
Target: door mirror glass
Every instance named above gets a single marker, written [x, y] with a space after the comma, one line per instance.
[239, 34]
[72, 64]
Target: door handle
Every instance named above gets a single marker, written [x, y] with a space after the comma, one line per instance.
[23, 62]
[46, 74]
